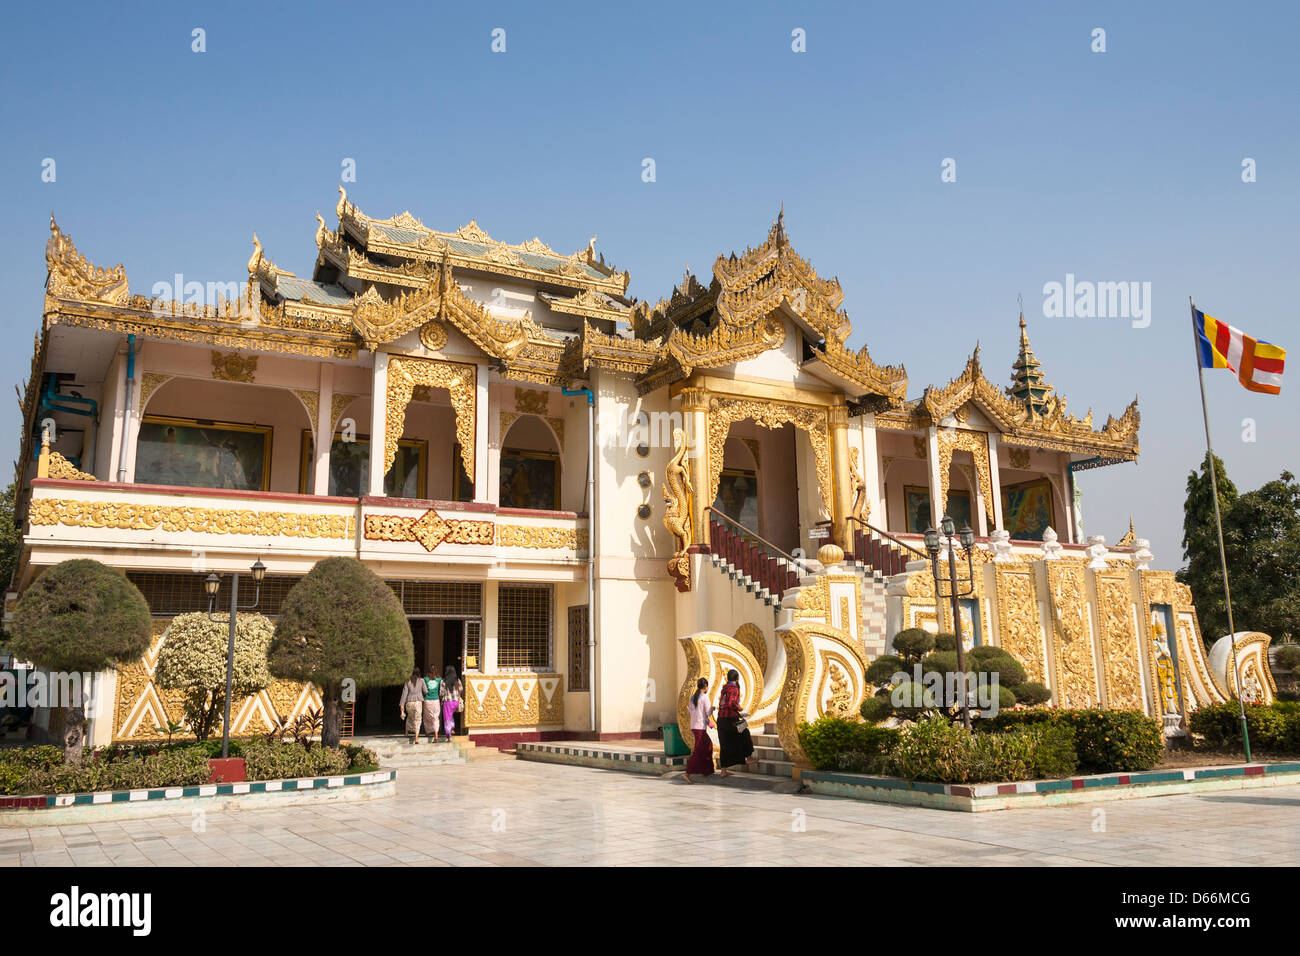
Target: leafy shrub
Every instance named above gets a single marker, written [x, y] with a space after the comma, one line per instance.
[1105, 740]
[272, 760]
[913, 643]
[1288, 657]
[1271, 728]
[933, 749]
[881, 671]
[11, 777]
[31, 758]
[943, 662]
[945, 642]
[1054, 753]
[1006, 700]
[833, 743]
[1002, 757]
[876, 709]
[193, 660]
[361, 759]
[172, 767]
[1032, 693]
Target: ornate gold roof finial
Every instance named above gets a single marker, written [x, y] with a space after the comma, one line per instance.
[342, 204]
[322, 232]
[1028, 384]
[1129, 538]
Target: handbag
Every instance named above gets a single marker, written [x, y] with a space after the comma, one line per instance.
[742, 723]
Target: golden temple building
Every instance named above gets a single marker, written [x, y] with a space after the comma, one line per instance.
[567, 487]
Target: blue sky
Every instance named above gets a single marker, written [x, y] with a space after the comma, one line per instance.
[1115, 166]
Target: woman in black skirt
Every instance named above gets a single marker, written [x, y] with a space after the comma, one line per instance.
[736, 745]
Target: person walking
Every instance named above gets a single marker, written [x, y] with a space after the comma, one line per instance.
[432, 703]
[734, 742]
[451, 693]
[411, 704]
[701, 711]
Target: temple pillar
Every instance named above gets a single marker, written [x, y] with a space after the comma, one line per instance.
[936, 483]
[324, 438]
[695, 416]
[996, 480]
[488, 633]
[837, 419]
[871, 473]
[483, 463]
[378, 424]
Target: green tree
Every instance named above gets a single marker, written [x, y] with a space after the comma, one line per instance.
[1261, 542]
[340, 623]
[193, 660]
[10, 543]
[77, 617]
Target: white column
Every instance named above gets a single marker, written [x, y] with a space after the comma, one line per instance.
[111, 438]
[489, 634]
[324, 431]
[871, 471]
[378, 429]
[995, 479]
[936, 484]
[131, 415]
[482, 421]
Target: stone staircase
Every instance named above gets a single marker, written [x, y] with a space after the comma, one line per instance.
[772, 760]
[763, 572]
[396, 751]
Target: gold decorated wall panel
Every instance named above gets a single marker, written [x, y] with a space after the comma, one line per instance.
[1019, 627]
[514, 700]
[1117, 633]
[136, 516]
[1071, 635]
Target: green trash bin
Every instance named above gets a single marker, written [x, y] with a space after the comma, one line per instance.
[674, 746]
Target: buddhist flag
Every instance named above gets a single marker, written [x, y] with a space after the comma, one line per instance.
[1258, 364]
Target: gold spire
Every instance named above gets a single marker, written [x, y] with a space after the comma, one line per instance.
[1028, 385]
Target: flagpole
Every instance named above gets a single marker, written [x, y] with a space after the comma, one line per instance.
[1218, 524]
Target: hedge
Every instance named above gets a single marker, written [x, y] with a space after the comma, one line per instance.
[1272, 727]
[1105, 740]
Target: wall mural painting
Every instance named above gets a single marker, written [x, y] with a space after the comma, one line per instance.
[530, 479]
[917, 502]
[738, 497]
[1027, 509]
[350, 468]
[178, 451]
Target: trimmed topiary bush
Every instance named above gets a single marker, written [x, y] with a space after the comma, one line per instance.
[1032, 693]
[1288, 657]
[341, 622]
[913, 643]
[881, 671]
[875, 709]
[943, 662]
[193, 660]
[945, 642]
[994, 660]
[78, 617]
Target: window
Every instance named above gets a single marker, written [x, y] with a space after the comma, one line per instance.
[579, 676]
[473, 645]
[203, 454]
[524, 626]
[350, 467]
[440, 598]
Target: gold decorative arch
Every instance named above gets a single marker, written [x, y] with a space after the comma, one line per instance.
[724, 412]
[404, 374]
[977, 443]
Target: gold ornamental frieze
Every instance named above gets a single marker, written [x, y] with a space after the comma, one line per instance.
[134, 516]
[514, 700]
[60, 467]
[233, 367]
[429, 530]
[460, 380]
[541, 537]
[977, 444]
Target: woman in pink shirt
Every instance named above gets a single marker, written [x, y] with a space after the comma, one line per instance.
[701, 711]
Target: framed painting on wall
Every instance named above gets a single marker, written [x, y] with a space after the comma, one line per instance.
[530, 479]
[350, 467]
[1027, 509]
[916, 504]
[202, 454]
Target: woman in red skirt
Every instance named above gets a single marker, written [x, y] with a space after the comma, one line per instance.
[701, 710]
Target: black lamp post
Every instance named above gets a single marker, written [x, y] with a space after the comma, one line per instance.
[948, 530]
[212, 584]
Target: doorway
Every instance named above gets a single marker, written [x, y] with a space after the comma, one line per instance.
[377, 710]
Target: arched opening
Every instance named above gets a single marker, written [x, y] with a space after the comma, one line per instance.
[761, 483]
[530, 466]
[210, 434]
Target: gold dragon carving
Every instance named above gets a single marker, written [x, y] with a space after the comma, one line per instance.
[861, 506]
[677, 495]
[825, 674]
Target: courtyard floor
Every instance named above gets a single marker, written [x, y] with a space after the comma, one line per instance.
[523, 813]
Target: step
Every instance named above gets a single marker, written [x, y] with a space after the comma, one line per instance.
[775, 768]
[765, 740]
[769, 753]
